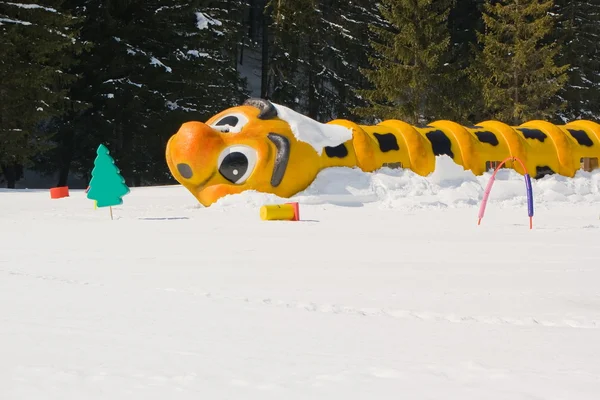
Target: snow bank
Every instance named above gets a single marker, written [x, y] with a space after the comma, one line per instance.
[449, 186]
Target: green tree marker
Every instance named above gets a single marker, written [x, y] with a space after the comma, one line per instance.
[107, 186]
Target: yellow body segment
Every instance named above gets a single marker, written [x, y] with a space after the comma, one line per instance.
[419, 156]
[361, 151]
[251, 148]
[509, 144]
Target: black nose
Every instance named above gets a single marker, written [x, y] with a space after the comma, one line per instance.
[185, 170]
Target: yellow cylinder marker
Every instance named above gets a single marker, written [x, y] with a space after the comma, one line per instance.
[281, 212]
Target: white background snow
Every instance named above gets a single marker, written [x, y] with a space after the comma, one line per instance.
[387, 289]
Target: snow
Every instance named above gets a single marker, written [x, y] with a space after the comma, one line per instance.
[386, 286]
[159, 9]
[14, 21]
[197, 53]
[317, 134]
[156, 61]
[30, 6]
[203, 20]
[131, 50]
[173, 105]
[121, 80]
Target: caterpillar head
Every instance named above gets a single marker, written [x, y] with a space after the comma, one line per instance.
[242, 148]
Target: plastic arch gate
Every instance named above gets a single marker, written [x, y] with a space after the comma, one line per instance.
[528, 188]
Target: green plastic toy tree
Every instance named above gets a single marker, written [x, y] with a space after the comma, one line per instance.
[107, 186]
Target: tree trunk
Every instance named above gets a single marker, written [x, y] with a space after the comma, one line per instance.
[313, 106]
[264, 76]
[252, 17]
[241, 60]
[10, 174]
[63, 173]
[66, 156]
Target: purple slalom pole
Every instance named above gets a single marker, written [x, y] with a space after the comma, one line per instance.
[529, 200]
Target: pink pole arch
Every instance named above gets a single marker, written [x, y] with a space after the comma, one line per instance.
[488, 189]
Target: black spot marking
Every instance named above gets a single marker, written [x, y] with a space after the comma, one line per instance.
[440, 143]
[267, 109]
[533, 134]
[185, 170]
[543, 170]
[487, 137]
[582, 137]
[338, 151]
[229, 120]
[387, 142]
[281, 159]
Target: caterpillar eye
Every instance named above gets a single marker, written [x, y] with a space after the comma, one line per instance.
[231, 123]
[236, 163]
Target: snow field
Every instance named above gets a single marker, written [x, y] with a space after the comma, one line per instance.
[386, 289]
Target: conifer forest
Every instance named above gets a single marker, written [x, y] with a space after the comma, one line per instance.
[127, 73]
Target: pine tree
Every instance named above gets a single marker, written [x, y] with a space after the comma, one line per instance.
[578, 30]
[107, 186]
[348, 51]
[318, 48]
[202, 54]
[516, 69]
[295, 54]
[37, 43]
[153, 66]
[408, 71]
[464, 101]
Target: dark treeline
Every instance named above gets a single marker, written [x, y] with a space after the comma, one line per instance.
[127, 73]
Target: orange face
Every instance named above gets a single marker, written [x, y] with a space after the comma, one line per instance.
[242, 148]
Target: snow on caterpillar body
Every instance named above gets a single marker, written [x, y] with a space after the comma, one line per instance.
[269, 148]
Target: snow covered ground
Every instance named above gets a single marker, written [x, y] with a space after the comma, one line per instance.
[387, 289]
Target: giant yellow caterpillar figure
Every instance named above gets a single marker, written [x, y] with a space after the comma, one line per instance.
[269, 148]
